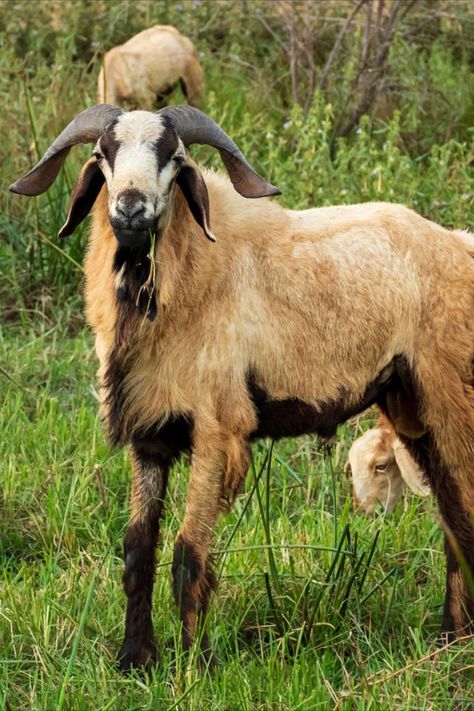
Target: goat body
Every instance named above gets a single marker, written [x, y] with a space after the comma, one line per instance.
[290, 323]
[147, 67]
[296, 306]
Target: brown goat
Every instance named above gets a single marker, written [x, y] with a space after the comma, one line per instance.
[292, 322]
[145, 69]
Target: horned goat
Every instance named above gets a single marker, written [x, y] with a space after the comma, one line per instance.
[290, 323]
[381, 468]
[146, 68]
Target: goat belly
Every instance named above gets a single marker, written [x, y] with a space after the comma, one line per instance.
[292, 417]
[167, 440]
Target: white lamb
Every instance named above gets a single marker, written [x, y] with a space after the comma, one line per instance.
[146, 68]
[381, 468]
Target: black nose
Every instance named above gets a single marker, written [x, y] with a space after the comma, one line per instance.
[130, 211]
[129, 221]
[130, 204]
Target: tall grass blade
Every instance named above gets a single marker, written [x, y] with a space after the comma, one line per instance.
[369, 561]
[77, 640]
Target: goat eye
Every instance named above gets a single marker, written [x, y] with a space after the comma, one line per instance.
[381, 467]
[179, 160]
[97, 155]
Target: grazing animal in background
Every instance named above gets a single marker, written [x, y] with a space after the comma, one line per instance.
[280, 323]
[381, 468]
[146, 68]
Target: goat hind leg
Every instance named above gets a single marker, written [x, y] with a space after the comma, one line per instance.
[150, 475]
[446, 454]
[458, 523]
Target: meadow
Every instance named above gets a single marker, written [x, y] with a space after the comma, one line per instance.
[319, 607]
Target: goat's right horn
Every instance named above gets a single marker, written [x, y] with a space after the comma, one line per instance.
[86, 127]
[193, 126]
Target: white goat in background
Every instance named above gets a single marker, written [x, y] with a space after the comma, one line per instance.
[145, 69]
[381, 469]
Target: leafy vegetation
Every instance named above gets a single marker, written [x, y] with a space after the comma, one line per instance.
[319, 607]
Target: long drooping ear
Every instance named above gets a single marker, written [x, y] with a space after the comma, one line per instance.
[193, 126]
[86, 127]
[411, 473]
[194, 190]
[83, 196]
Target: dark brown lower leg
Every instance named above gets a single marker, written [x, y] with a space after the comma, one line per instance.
[150, 474]
[458, 614]
[193, 584]
[193, 578]
[458, 617]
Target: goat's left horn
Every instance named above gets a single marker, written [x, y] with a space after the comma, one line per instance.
[193, 126]
[86, 127]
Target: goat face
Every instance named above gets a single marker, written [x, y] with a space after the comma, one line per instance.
[376, 476]
[139, 155]
[381, 467]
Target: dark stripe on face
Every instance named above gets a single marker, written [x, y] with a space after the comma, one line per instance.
[167, 144]
[109, 145]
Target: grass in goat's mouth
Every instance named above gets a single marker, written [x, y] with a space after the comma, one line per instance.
[150, 283]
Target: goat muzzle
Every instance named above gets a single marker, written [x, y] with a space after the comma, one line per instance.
[129, 237]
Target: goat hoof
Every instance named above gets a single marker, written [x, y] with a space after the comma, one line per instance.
[445, 638]
[141, 657]
[449, 636]
[208, 662]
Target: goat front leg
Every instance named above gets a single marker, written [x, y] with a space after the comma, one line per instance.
[150, 476]
[215, 469]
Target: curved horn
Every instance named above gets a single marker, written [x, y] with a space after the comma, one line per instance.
[193, 126]
[86, 127]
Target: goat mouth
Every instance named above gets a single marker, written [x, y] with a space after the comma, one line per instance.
[131, 238]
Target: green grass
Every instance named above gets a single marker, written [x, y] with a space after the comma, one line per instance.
[309, 614]
[318, 606]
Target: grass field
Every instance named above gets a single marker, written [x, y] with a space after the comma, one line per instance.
[290, 634]
[319, 607]
[64, 512]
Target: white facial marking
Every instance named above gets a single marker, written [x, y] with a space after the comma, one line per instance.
[136, 165]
